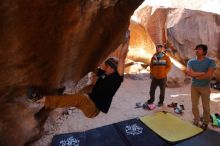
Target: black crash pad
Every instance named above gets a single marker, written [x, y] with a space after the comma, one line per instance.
[104, 136]
[206, 138]
[126, 133]
[137, 134]
[70, 139]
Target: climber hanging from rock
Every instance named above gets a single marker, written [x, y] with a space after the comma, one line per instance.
[110, 76]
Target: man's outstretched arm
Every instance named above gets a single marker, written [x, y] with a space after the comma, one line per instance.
[122, 56]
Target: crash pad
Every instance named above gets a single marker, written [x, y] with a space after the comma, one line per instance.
[69, 139]
[135, 133]
[206, 138]
[170, 127]
[104, 136]
[126, 133]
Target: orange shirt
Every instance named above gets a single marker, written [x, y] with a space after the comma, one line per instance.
[159, 68]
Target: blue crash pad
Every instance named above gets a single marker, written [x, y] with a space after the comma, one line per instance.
[70, 139]
[207, 138]
[126, 133]
[137, 134]
[104, 136]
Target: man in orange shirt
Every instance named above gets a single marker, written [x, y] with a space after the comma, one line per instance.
[159, 68]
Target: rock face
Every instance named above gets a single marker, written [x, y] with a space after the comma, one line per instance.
[141, 45]
[47, 43]
[154, 21]
[187, 28]
[182, 30]
[175, 78]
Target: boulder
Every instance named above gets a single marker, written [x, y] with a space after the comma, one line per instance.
[49, 43]
[141, 46]
[181, 30]
[187, 28]
[175, 78]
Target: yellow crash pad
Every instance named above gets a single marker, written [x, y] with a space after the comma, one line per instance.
[170, 127]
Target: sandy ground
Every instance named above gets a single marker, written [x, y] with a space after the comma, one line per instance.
[122, 108]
